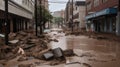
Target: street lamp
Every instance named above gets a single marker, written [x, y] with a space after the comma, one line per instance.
[6, 22]
[36, 17]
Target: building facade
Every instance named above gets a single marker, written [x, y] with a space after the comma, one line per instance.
[20, 15]
[43, 3]
[101, 15]
[78, 13]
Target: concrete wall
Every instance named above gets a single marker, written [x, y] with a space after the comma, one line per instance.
[18, 9]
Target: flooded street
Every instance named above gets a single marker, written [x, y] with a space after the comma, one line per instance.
[89, 52]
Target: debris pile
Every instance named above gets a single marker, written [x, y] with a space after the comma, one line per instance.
[22, 43]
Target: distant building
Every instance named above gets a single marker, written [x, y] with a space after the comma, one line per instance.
[78, 13]
[58, 14]
[101, 15]
[20, 15]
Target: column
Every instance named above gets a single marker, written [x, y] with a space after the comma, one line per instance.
[111, 26]
[105, 26]
[118, 24]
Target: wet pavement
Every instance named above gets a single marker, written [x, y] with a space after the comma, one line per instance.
[89, 52]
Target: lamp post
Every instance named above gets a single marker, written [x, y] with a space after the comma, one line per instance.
[6, 22]
[36, 17]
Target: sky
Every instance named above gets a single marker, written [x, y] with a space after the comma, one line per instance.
[57, 6]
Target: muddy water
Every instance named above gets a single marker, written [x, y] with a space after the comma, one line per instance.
[90, 52]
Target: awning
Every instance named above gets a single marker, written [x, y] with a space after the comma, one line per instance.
[103, 12]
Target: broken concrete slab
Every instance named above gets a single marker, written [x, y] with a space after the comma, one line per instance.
[48, 55]
[58, 52]
[1, 35]
[14, 41]
[28, 46]
[73, 63]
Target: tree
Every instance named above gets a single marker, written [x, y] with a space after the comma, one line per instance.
[58, 20]
[43, 16]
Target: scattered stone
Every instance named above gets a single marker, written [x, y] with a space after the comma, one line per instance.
[37, 63]
[101, 37]
[21, 51]
[58, 52]
[73, 63]
[69, 52]
[22, 59]
[48, 55]
[28, 46]
[87, 65]
[22, 33]
[14, 41]
[54, 63]
[26, 65]
[1, 35]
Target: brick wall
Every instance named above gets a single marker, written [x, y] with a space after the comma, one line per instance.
[101, 6]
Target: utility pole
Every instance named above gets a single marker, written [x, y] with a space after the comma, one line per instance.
[6, 22]
[36, 22]
[44, 15]
[41, 18]
[72, 16]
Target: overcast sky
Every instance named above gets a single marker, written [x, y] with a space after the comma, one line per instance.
[57, 6]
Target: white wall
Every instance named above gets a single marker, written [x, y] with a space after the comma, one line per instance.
[14, 9]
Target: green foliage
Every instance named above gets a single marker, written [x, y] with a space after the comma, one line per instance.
[58, 19]
[43, 14]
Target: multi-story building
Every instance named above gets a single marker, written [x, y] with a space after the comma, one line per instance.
[43, 3]
[101, 15]
[20, 14]
[58, 14]
[78, 13]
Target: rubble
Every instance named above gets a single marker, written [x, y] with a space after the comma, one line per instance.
[21, 51]
[22, 59]
[1, 35]
[69, 52]
[26, 65]
[14, 41]
[58, 52]
[87, 65]
[48, 55]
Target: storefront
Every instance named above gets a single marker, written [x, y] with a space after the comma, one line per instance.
[103, 21]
